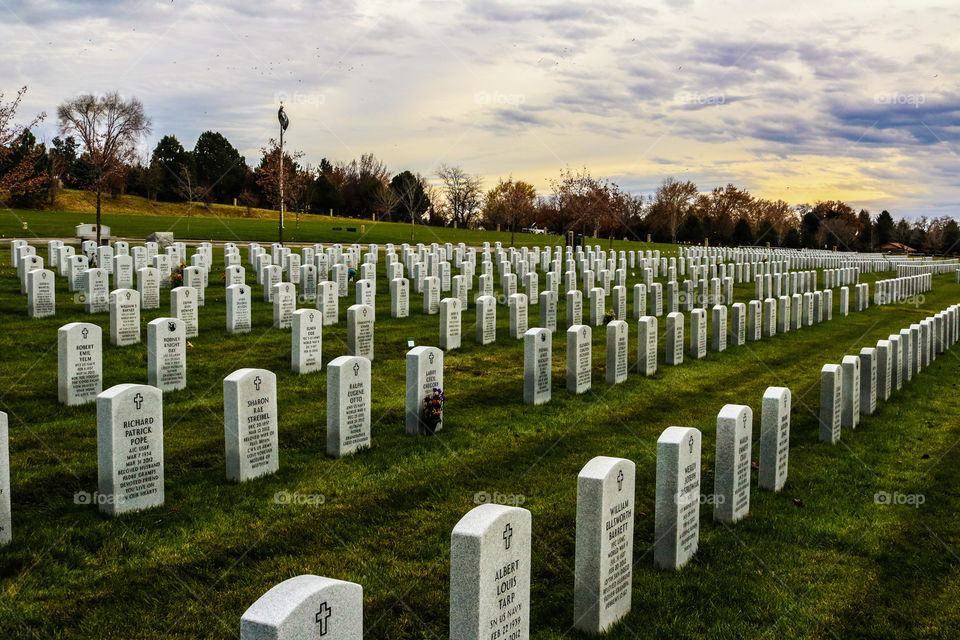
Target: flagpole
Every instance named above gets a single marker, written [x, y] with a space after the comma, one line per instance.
[284, 121]
[281, 183]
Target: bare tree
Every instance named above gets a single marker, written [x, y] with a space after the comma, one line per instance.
[22, 176]
[463, 193]
[672, 202]
[109, 128]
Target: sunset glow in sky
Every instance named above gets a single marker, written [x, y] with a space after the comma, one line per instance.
[799, 101]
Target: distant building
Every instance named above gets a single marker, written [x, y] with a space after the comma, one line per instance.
[897, 247]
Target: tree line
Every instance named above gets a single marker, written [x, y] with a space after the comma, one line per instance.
[98, 149]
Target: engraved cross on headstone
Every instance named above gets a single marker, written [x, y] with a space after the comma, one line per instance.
[257, 382]
[691, 443]
[620, 480]
[507, 535]
[356, 368]
[138, 401]
[431, 357]
[85, 332]
[323, 615]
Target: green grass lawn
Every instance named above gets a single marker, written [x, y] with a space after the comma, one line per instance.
[819, 560]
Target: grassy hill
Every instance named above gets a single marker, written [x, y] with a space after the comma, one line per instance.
[135, 217]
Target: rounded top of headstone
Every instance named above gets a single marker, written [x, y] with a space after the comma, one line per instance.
[602, 466]
[479, 519]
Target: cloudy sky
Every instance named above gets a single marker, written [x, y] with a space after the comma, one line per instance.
[794, 100]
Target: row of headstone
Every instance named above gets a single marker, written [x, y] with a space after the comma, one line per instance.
[854, 387]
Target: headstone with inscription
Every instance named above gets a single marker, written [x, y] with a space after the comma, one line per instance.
[250, 424]
[868, 380]
[537, 365]
[579, 358]
[677, 517]
[130, 448]
[79, 363]
[348, 405]
[617, 352]
[424, 375]
[647, 345]
[831, 384]
[183, 305]
[850, 397]
[450, 323]
[774, 438]
[124, 317]
[360, 331]
[96, 293]
[306, 341]
[6, 520]
[166, 354]
[41, 293]
[148, 286]
[604, 552]
[490, 574]
[731, 493]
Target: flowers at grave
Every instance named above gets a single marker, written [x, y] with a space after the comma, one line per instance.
[431, 413]
[176, 276]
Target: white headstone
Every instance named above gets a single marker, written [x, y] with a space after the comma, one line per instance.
[348, 405]
[579, 358]
[424, 374]
[617, 352]
[124, 317]
[148, 286]
[6, 521]
[238, 308]
[647, 345]
[677, 518]
[41, 293]
[850, 398]
[831, 382]
[399, 298]
[96, 293]
[450, 321]
[604, 553]
[306, 339]
[360, 331]
[183, 305]
[79, 363]
[774, 438]
[130, 448]
[306, 607]
[537, 365]
[486, 319]
[490, 574]
[250, 424]
[674, 354]
[167, 354]
[731, 493]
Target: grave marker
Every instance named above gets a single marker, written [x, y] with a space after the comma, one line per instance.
[250, 424]
[130, 448]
